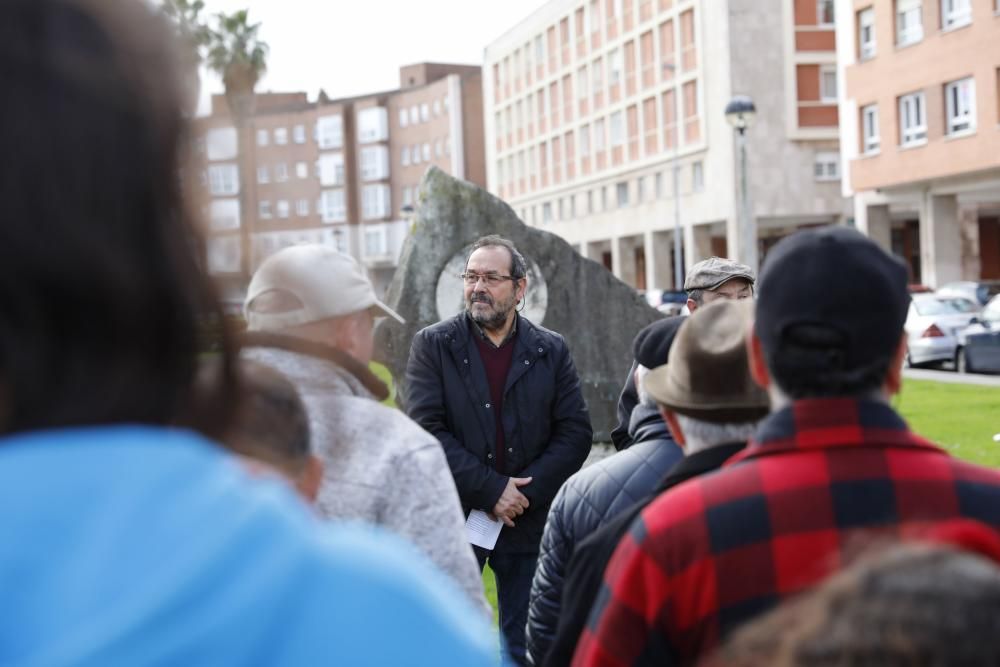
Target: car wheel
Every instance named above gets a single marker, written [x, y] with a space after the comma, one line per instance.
[961, 363]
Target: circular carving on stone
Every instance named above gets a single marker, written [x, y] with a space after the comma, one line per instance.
[450, 290]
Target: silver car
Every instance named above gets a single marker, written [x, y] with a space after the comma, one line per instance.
[978, 348]
[931, 326]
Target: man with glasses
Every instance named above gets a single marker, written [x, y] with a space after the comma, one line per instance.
[503, 397]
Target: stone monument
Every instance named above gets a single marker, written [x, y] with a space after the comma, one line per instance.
[597, 314]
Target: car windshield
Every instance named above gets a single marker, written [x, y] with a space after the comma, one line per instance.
[939, 306]
[962, 305]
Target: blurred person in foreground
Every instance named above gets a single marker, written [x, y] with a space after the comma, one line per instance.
[271, 428]
[712, 405]
[310, 314]
[597, 493]
[909, 604]
[128, 539]
[832, 463]
[709, 280]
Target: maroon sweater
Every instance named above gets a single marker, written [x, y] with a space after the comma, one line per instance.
[497, 362]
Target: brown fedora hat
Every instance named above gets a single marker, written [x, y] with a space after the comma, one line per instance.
[707, 376]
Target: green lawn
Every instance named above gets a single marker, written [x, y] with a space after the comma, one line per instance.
[960, 417]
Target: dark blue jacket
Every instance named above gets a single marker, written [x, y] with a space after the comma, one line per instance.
[588, 500]
[546, 426]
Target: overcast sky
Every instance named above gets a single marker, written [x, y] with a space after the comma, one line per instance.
[351, 47]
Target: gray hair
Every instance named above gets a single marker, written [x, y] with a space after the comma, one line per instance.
[699, 435]
[640, 386]
[697, 295]
[518, 267]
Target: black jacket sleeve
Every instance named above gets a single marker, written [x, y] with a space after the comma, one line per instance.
[628, 399]
[479, 485]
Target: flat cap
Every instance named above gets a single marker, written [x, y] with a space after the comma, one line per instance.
[714, 271]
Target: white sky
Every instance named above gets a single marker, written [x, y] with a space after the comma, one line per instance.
[352, 47]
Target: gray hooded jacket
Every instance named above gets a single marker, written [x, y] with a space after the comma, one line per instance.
[380, 466]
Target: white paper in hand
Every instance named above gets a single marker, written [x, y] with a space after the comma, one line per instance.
[482, 529]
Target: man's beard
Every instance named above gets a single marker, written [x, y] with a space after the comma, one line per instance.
[494, 318]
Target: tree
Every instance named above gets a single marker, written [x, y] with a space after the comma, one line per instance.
[236, 53]
[194, 36]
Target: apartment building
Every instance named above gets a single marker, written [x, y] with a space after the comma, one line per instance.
[605, 124]
[341, 172]
[920, 138]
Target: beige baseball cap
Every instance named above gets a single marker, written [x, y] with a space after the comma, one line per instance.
[307, 283]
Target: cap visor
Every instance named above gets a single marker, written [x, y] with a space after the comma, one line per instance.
[384, 310]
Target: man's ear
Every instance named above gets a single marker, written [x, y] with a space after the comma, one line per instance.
[310, 480]
[522, 288]
[894, 378]
[673, 425]
[692, 305]
[757, 361]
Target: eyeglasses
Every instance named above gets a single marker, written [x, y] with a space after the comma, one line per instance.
[491, 279]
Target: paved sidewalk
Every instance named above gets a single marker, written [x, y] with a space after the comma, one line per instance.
[952, 377]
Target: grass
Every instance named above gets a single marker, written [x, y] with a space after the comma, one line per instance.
[961, 418]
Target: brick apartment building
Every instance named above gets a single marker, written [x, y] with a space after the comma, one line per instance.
[343, 172]
[589, 102]
[920, 131]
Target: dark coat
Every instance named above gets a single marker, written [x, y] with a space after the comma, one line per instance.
[546, 425]
[585, 572]
[586, 501]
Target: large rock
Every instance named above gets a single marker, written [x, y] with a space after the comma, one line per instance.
[597, 313]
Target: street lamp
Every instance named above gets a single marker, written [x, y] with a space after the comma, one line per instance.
[740, 113]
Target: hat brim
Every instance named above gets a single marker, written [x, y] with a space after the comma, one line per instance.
[741, 276]
[379, 309]
[735, 409]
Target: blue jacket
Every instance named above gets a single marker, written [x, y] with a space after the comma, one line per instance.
[145, 546]
[546, 425]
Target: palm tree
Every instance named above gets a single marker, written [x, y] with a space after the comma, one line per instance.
[236, 53]
[194, 35]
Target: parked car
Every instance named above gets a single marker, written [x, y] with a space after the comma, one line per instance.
[673, 302]
[931, 326]
[978, 345]
[980, 292]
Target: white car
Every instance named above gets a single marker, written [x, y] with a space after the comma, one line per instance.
[931, 327]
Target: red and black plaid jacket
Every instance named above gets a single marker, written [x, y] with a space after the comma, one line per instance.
[716, 551]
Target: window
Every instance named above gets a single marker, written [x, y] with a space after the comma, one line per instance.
[438, 148]
[547, 212]
[539, 49]
[283, 208]
[415, 154]
[407, 196]
[909, 25]
[374, 201]
[436, 107]
[426, 152]
[404, 156]
[960, 106]
[224, 254]
[414, 115]
[584, 138]
[866, 33]
[223, 179]
[658, 185]
[331, 206]
[301, 170]
[373, 125]
[263, 175]
[281, 172]
[224, 214]
[330, 131]
[331, 169]
[615, 67]
[281, 135]
[264, 209]
[402, 118]
[299, 134]
[376, 241]
[302, 208]
[262, 137]
[581, 84]
[617, 128]
[621, 193]
[220, 143]
[599, 135]
[697, 177]
[374, 163]
[869, 128]
[955, 14]
[826, 166]
[824, 13]
[828, 83]
[597, 76]
[425, 112]
[912, 120]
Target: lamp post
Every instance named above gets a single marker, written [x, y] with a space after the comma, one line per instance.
[675, 167]
[740, 113]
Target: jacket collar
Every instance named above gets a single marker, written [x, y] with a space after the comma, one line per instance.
[831, 423]
[699, 463]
